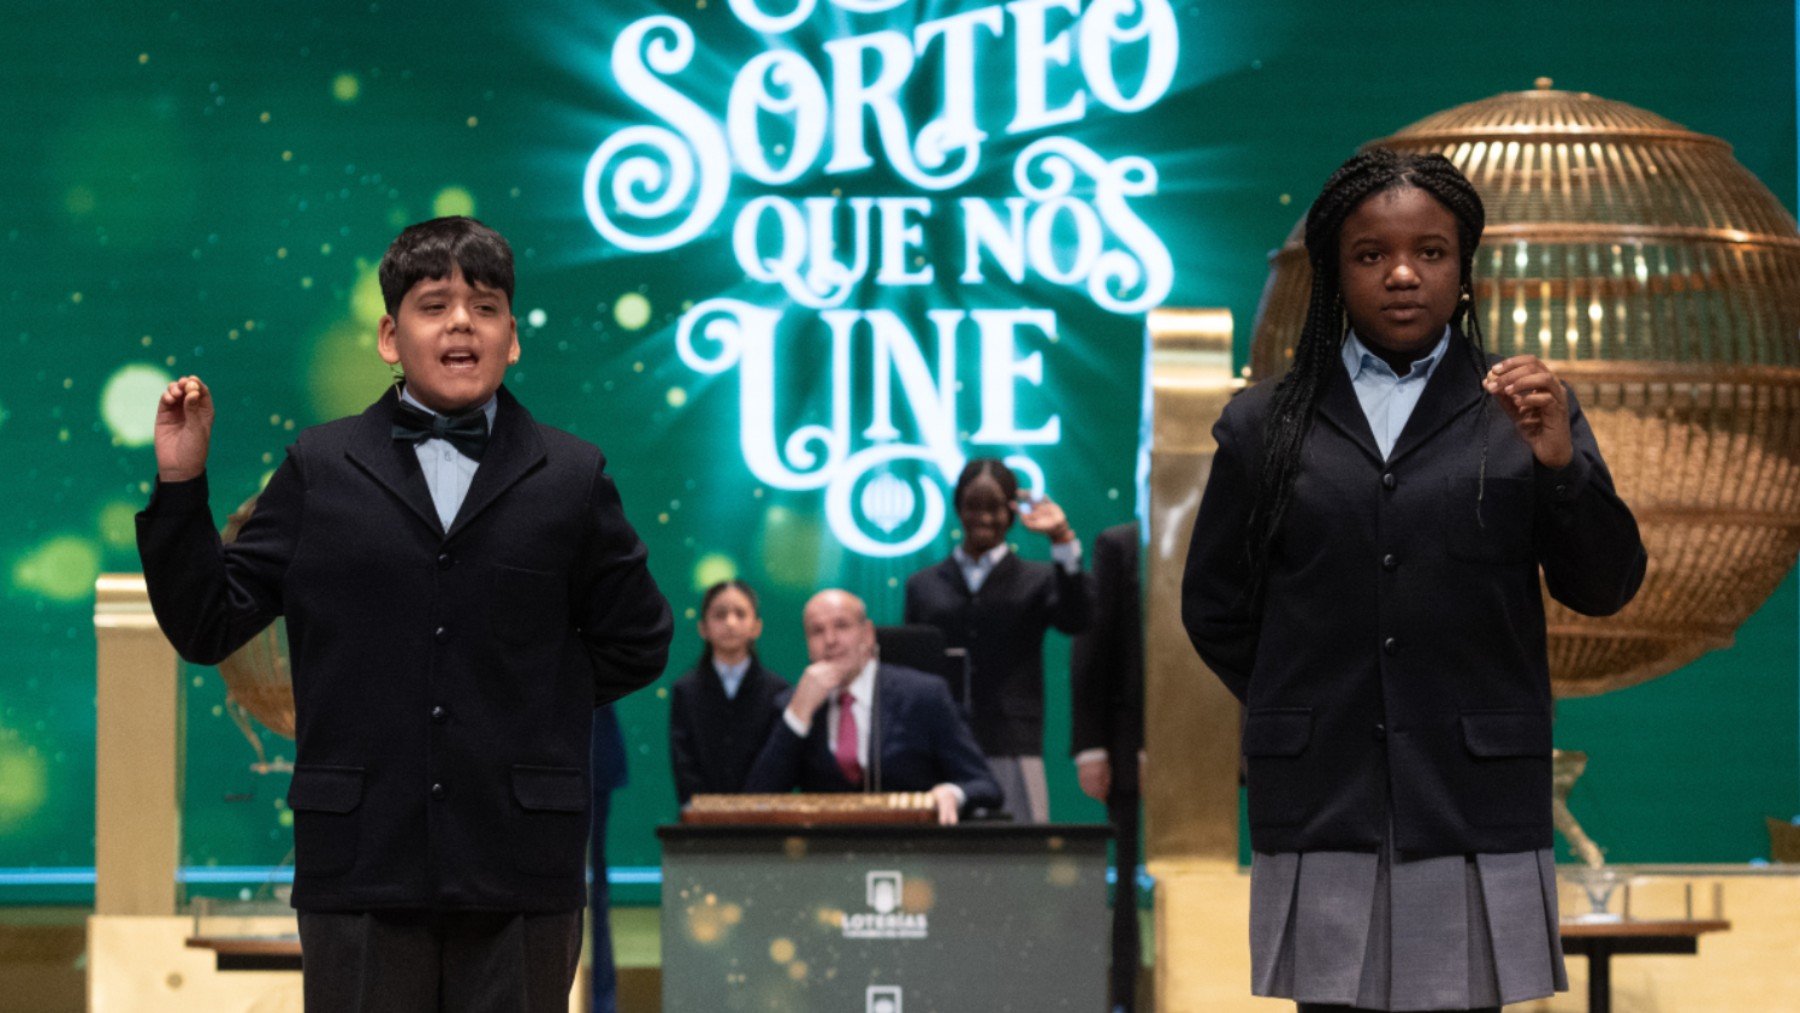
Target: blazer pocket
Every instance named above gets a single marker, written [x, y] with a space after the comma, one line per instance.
[1281, 731]
[550, 824]
[1488, 522]
[1507, 733]
[1508, 780]
[1275, 771]
[527, 606]
[324, 801]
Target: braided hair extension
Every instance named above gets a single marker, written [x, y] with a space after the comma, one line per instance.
[1298, 393]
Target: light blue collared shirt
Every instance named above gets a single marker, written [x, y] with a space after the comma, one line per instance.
[1387, 399]
[448, 473]
[731, 676]
[975, 570]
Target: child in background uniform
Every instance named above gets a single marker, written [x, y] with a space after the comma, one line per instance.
[721, 710]
[998, 606]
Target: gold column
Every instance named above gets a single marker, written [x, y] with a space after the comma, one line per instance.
[1190, 719]
[137, 762]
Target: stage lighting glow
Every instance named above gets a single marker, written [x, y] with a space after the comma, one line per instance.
[61, 569]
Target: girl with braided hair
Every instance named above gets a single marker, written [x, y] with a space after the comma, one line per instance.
[1364, 576]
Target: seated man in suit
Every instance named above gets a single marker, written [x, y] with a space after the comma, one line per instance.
[853, 723]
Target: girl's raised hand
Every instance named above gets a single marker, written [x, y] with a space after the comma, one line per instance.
[1534, 399]
[1044, 517]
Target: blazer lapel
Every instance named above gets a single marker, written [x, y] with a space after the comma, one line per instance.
[952, 576]
[514, 451]
[1002, 575]
[1344, 412]
[393, 464]
[1454, 387]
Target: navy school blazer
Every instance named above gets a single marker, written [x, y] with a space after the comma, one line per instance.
[714, 739]
[923, 742]
[444, 681]
[1395, 667]
[1002, 626]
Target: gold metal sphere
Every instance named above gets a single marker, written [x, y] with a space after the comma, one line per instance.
[1661, 280]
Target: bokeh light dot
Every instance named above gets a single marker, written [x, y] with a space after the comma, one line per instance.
[677, 397]
[118, 524]
[452, 200]
[128, 402]
[536, 318]
[61, 569]
[24, 783]
[346, 87]
[366, 303]
[632, 311]
[712, 568]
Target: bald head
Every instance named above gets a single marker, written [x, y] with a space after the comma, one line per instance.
[837, 628]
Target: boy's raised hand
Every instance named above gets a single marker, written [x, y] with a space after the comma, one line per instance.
[184, 421]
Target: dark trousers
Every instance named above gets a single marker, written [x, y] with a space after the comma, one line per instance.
[603, 975]
[451, 961]
[1122, 811]
[1319, 1007]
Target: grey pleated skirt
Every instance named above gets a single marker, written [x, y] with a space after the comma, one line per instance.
[1378, 931]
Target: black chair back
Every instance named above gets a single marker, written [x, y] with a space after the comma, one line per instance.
[924, 648]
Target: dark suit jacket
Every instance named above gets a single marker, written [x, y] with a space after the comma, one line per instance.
[1106, 664]
[444, 682]
[1002, 626]
[1397, 662]
[714, 739]
[919, 735]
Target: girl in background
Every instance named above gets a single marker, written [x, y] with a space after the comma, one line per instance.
[721, 710]
[998, 607]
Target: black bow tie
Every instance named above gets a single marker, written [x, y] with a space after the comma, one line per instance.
[467, 432]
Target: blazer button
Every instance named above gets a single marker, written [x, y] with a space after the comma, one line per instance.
[441, 634]
[438, 714]
[445, 560]
[1390, 562]
[437, 791]
[1388, 481]
[1380, 733]
[1391, 646]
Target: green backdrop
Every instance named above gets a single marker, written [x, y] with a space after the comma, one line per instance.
[195, 187]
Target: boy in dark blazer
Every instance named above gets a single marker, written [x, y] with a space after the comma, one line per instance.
[854, 724]
[461, 589]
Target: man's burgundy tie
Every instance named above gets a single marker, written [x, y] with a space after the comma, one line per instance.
[846, 739]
